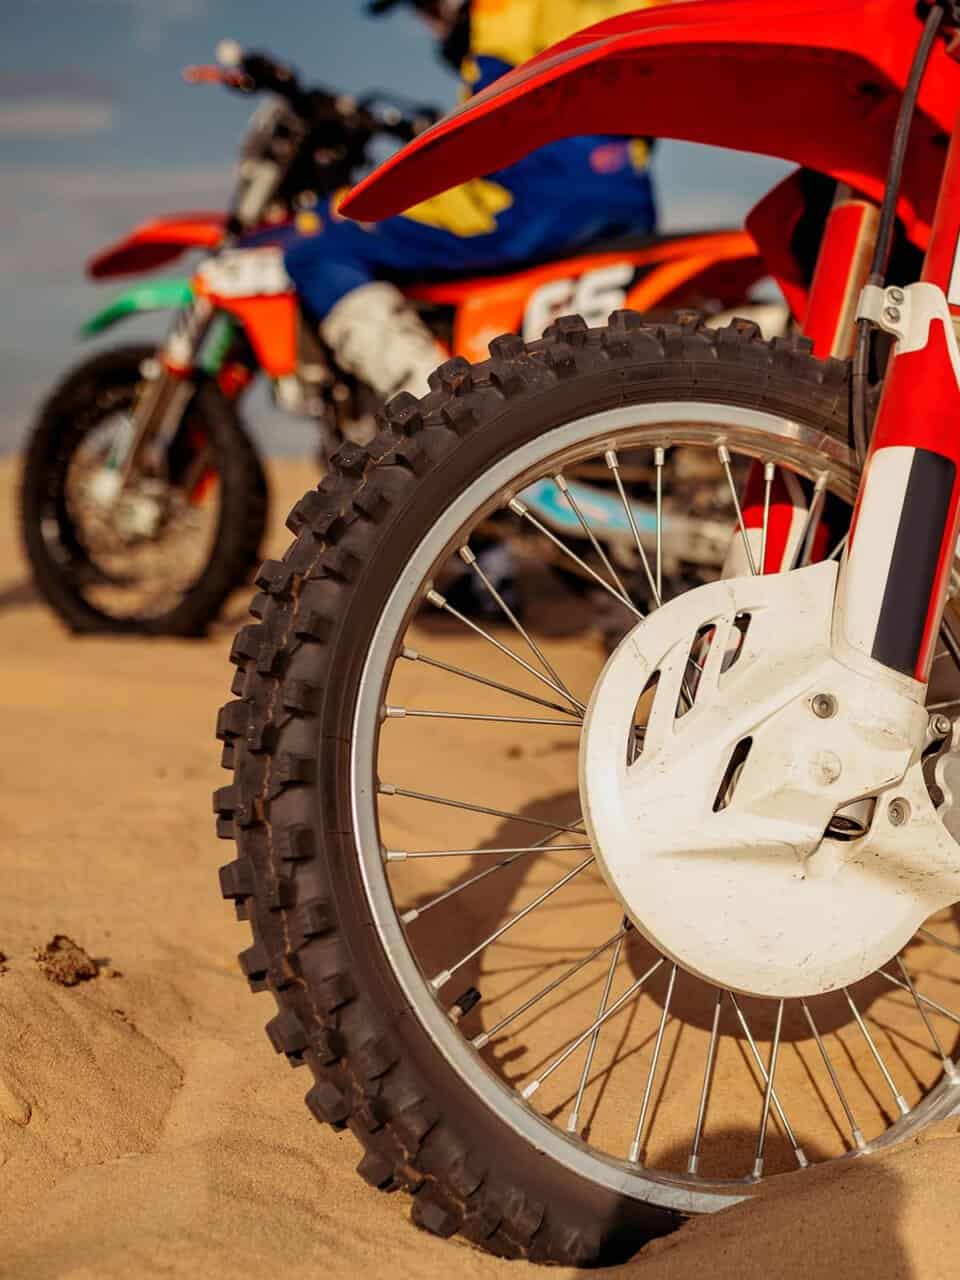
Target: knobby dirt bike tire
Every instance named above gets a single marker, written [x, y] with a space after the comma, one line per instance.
[341, 1012]
[69, 411]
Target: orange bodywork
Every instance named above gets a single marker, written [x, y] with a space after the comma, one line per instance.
[669, 272]
[270, 323]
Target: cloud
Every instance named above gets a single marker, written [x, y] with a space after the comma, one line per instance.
[53, 119]
[151, 20]
[52, 219]
[55, 102]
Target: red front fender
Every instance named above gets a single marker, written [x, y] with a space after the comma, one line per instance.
[157, 242]
[816, 82]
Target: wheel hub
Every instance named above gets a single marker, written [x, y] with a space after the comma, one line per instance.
[722, 746]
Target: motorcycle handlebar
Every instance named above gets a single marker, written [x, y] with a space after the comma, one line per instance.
[257, 72]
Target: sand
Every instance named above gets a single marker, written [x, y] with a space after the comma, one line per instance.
[146, 1126]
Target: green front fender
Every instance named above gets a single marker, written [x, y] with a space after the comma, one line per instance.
[158, 295]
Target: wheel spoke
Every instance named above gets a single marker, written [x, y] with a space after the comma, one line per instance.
[659, 456]
[469, 559]
[931, 1004]
[543, 846]
[479, 1041]
[388, 789]
[561, 483]
[769, 472]
[444, 976]
[634, 1154]
[613, 462]
[898, 1097]
[809, 532]
[400, 713]
[529, 1090]
[767, 1094]
[413, 655]
[573, 1121]
[522, 510]
[855, 1130]
[838, 550]
[723, 454]
[693, 1164]
[440, 602]
[798, 1151]
[941, 1052]
[941, 942]
[403, 855]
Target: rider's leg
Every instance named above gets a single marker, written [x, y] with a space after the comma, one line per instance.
[370, 327]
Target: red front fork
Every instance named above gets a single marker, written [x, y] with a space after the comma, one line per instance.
[904, 530]
[843, 263]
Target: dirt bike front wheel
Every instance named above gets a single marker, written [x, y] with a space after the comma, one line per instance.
[160, 555]
[445, 955]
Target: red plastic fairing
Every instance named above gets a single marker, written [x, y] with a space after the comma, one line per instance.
[157, 242]
[816, 82]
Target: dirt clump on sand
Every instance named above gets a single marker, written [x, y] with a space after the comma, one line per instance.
[65, 962]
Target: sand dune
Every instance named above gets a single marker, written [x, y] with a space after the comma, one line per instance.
[146, 1126]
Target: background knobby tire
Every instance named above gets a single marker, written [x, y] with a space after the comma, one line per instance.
[68, 413]
[287, 738]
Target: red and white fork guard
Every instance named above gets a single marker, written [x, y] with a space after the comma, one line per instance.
[903, 534]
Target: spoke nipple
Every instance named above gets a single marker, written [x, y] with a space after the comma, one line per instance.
[527, 1092]
[693, 1164]
[412, 655]
[859, 1139]
[560, 480]
[898, 813]
[517, 507]
[394, 713]
[387, 789]
[408, 917]
[610, 458]
[481, 1040]
[891, 314]
[802, 1160]
[441, 979]
[659, 455]
[394, 855]
[573, 1123]
[634, 1154]
[436, 598]
[723, 453]
[466, 555]
[902, 1105]
[769, 470]
[896, 295]
[757, 1172]
[823, 705]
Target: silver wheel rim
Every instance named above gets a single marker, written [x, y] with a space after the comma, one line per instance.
[751, 433]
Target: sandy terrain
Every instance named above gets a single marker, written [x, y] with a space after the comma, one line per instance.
[146, 1126]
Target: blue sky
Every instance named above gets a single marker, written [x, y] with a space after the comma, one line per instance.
[98, 132]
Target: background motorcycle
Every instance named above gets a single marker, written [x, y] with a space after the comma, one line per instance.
[736, 897]
[144, 501]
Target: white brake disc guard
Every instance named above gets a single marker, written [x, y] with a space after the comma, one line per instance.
[728, 869]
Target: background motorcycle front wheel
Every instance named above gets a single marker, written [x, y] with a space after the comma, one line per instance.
[163, 558]
[445, 956]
